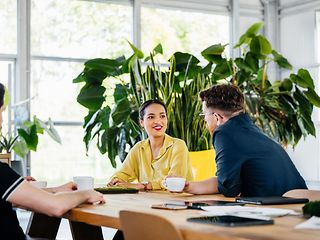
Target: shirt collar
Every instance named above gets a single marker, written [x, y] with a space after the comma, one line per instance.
[168, 142]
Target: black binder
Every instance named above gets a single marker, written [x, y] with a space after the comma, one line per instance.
[271, 200]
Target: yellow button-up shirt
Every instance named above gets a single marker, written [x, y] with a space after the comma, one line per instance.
[139, 164]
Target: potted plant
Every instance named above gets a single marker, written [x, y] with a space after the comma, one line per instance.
[6, 145]
[26, 138]
[115, 125]
[281, 108]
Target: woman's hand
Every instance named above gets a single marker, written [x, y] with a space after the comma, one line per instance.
[139, 186]
[114, 182]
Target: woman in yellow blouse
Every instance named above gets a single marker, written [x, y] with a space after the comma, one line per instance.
[151, 160]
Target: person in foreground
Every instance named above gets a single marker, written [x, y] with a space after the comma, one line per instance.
[249, 163]
[17, 191]
[151, 160]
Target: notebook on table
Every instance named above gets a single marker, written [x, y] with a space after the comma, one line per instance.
[116, 190]
[271, 200]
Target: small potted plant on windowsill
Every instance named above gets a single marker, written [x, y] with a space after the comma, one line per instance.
[26, 138]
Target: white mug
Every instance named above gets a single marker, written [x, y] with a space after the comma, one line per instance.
[39, 184]
[84, 182]
[175, 184]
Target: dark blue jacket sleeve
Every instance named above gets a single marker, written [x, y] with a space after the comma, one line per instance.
[228, 164]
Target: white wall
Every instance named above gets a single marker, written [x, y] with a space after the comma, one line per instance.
[298, 44]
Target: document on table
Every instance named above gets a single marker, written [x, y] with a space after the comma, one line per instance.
[249, 212]
[311, 223]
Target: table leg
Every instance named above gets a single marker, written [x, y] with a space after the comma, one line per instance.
[43, 226]
[84, 231]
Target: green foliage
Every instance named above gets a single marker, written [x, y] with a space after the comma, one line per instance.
[311, 209]
[27, 138]
[7, 143]
[177, 86]
[281, 108]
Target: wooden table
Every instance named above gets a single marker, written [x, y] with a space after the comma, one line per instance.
[108, 215]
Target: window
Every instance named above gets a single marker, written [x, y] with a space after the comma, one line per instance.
[80, 29]
[6, 78]
[8, 27]
[61, 40]
[8, 50]
[317, 39]
[63, 35]
[181, 30]
[57, 163]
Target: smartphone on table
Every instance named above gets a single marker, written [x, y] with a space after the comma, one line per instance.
[198, 205]
[194, 205]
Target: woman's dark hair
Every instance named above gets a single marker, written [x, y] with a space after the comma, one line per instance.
[225, 97]
[2, 90]
[147, 104]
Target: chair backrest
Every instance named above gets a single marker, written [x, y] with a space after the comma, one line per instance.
[203, 164]
[145, 226]
[312, 195]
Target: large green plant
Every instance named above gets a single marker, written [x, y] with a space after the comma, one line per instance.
[116, 125]
[282, 108]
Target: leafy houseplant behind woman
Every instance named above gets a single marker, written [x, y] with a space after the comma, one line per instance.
[281, 108]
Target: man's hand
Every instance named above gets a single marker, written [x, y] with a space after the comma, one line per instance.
[186, 186]
[29, 178]
[68, 187]
[94, 197]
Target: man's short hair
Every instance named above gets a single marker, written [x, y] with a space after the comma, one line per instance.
[2, 91]
[225, 97]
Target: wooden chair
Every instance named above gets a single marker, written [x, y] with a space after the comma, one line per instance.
[145, 226]
[312, 195]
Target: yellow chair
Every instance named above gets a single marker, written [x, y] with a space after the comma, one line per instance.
[203, 164]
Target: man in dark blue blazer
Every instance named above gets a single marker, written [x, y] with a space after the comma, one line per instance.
[249, 163]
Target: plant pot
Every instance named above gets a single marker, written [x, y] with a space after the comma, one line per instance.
[6, 158]
[203, 164]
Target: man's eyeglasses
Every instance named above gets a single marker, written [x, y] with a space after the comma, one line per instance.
[202, 115]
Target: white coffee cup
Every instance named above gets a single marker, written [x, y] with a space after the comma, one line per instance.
[39, 184]
[84, 182]
[175, 184]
